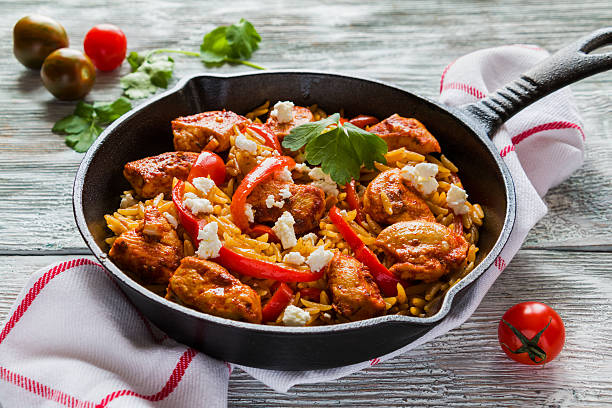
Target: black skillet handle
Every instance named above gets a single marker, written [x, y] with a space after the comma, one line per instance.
[566, 66]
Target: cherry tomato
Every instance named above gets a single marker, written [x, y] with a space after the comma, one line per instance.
[531, 333]
[106, 45]
[208, 164]
[362, 121]
[68, 74]
[35, 37]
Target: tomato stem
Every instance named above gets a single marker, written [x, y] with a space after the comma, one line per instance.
[529, 346]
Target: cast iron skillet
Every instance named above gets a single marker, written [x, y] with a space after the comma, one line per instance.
[463, 134]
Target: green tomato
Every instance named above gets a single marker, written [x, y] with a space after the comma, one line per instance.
[35, 37]
[68, 74]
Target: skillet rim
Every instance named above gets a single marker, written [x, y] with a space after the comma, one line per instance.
[463, 119]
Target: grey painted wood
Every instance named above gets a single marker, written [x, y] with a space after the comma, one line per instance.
[565, 260]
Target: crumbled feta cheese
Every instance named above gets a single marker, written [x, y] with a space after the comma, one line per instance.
[319, 259]
[210, 244]
[243, 143]
[422, 177]
[310, 236]
[284, 175]
[323, 181]
[283, 228]
[284, 192]
[283, 112]
[127, 200]
[294, 316]
[271, 202]
[204, 184]
[196, 204]
[302, 167]
[294, 258]
[249, 212]
[171, 219]
[455, 198]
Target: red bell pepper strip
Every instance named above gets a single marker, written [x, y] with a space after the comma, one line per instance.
[386, 281]
[260, 229]
[362, 121]
[313, 294]
[270, 138]
[208, 164]
[250, 181]
[353, 199]
[186, 218]
[277, 303]
[263, 269]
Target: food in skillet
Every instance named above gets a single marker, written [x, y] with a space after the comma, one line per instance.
[292, 217]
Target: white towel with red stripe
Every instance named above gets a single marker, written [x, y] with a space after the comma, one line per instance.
[73, 339]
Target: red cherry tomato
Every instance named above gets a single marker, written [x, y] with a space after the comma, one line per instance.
[106, 45]
[362, 121]
[531, 333]
[208, 164]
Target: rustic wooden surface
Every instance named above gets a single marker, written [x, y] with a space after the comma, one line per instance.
[565, 261]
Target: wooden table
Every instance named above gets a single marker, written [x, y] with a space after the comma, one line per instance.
[565, 261]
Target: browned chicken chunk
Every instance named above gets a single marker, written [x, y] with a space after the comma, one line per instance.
[354, 293]
[306, 203]
[423, 250]
[152, 251]
[399, 132]
[210, 288]
[404, 203]
[301, 115]
[153, 175]
[206, 130]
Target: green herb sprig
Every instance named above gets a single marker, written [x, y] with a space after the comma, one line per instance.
[341, 150]
[234, 44]
[87, 121]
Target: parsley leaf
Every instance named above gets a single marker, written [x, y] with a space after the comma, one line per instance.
[340, 151]
[153, 72]
[234, 44]
[85, 124]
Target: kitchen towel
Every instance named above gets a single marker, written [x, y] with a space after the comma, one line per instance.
[73, 339]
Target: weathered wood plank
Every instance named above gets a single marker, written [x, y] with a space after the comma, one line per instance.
[465, 367]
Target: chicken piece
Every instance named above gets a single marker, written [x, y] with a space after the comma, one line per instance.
[210, 288]
[406, 204]
[153, 175]
[152, 251]
[354, 293]
[399, 132]
[206, 130]
[301, 115]
[306, 204]
[424, 250]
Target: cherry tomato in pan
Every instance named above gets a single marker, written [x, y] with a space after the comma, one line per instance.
[362, 121]
[106, 45]
[35, 37]
[208, 164]
[68, 74]
[531, 333]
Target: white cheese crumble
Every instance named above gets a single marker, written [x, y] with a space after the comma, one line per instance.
[196, 204]
[294, 316]
[283, 111]
[283, 228]
[302, 167]
[422, 177]
[204, 184]
[127, 200]
[284, 192]
[245, 144]
[271, 202]
[210, 244]
[455, 198]
[249, 212]
[323, 181]
[171, 219]
[310, 236]
[284, 175]
[319, 259]
[294, 258]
